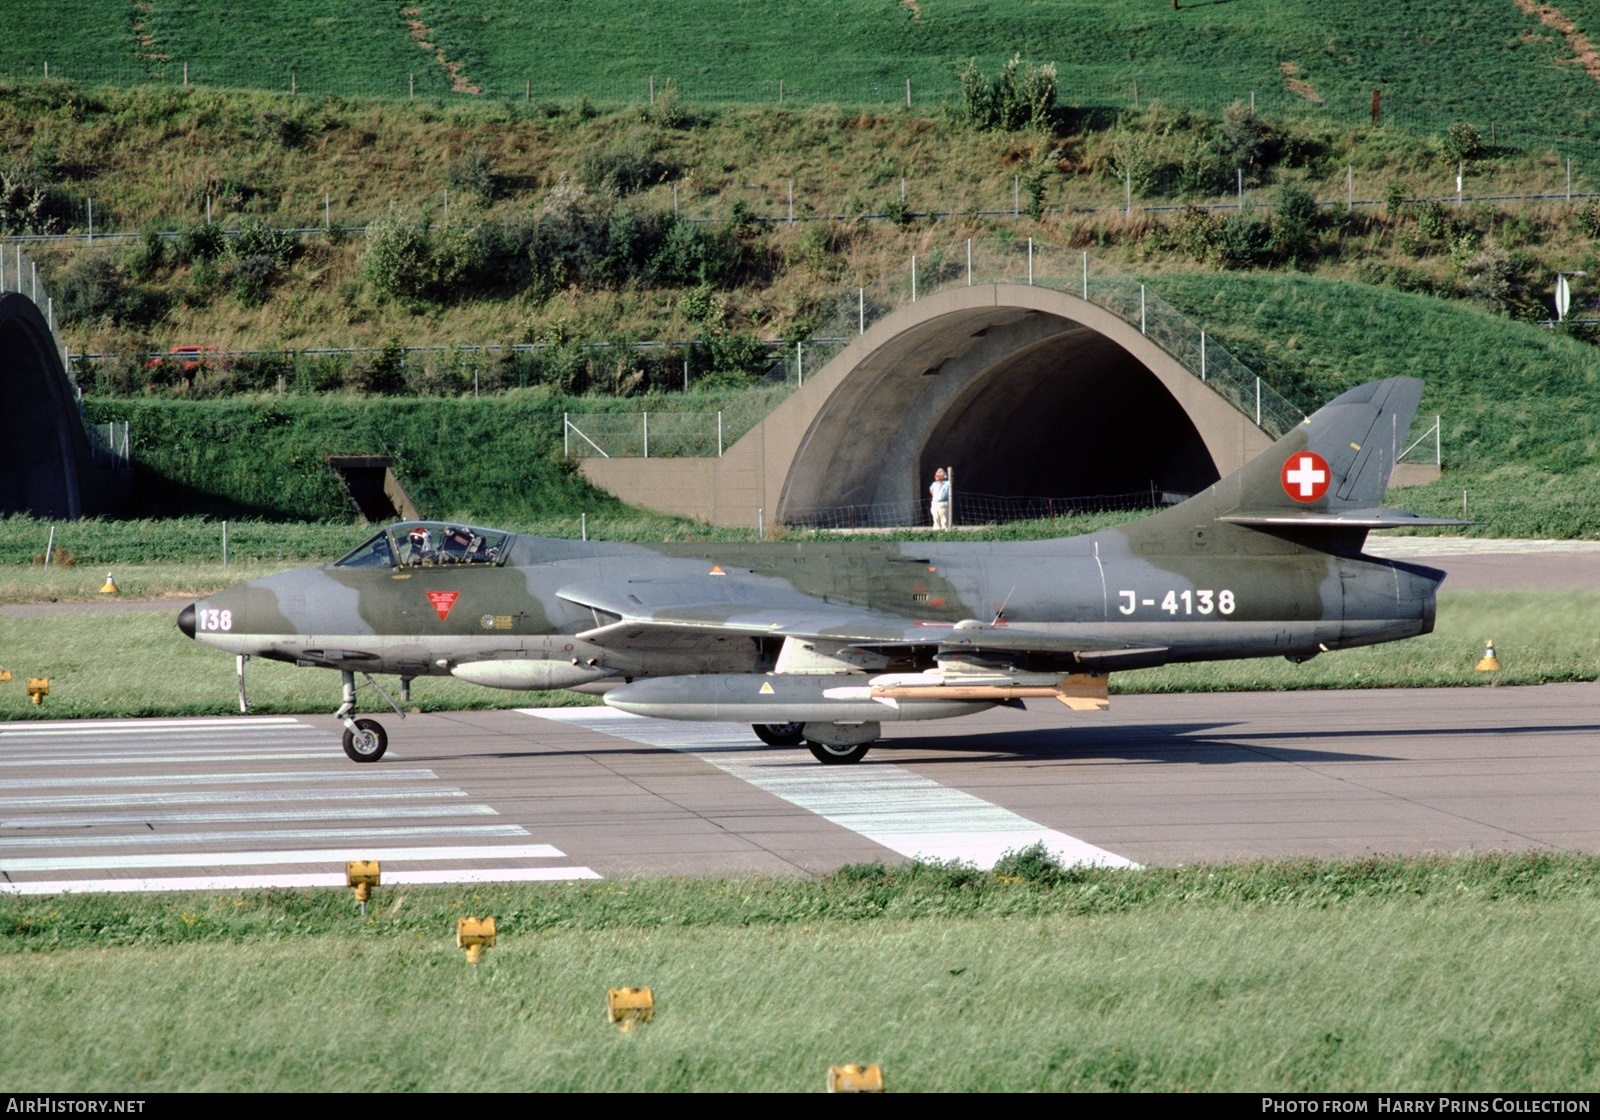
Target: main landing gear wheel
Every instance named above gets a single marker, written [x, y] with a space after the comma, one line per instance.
[836, 756]
[367, 742]
[780, 734]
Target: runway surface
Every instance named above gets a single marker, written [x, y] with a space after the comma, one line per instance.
[580, 793]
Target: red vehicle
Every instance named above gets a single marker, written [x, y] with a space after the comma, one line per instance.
[186, 358]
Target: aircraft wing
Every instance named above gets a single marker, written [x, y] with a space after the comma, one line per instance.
[672, 613]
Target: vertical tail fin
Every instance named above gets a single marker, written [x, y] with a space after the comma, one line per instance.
[1339, 460]
[1329, 473]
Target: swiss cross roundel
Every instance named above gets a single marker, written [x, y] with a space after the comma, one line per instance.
[1306, 476]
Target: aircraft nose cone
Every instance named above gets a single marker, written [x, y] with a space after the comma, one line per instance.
[186, 620]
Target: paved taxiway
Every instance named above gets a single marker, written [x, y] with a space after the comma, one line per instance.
[570, 793]
[582, 793]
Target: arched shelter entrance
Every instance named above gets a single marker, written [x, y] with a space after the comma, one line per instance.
[1025, 390]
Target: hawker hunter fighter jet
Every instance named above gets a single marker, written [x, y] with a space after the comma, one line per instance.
[821, 642]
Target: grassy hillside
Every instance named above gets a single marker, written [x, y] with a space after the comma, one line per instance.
[1517, 403]
[1436, 62]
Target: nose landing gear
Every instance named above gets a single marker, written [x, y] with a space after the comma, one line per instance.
[365, 740]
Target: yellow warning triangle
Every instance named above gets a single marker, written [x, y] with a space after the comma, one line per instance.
[716, 570]
[766, 688]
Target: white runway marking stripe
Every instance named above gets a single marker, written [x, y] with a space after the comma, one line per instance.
[887, 804]
[342, 774]
[276, 856]
[259, 835]
[273, 755]
[145, 726]
[242, 816]
[280, 882]
[202, 797]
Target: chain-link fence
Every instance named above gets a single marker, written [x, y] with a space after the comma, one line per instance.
[1007, 260]
[975, 509]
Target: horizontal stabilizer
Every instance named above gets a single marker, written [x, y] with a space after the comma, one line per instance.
[1343, 519]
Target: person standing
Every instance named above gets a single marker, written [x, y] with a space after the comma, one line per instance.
[939, 492]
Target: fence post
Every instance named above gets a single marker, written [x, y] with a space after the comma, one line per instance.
[799, 366]
[224, 544]
[719, 433]
[913, 278]
[1030, 262]
[1258, 402]
[861, 310]
[1202, 357]
[969, 260]
[1438, 454]
[647, 435]
[566, 439]
[1141, 309]
[1086, 276]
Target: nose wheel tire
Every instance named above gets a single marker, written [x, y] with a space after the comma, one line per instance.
[367, 742]
[780, 734]
[837, 756]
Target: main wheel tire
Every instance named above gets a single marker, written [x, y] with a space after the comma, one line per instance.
[837, 756]
[780, 734]
[367, 742]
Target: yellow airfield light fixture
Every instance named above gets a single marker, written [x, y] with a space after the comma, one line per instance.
[361, 875]
[1489, 663]
[474, 935]
[628, 1007]
[110, 586]
[5, 675]
[855, 1079]
[38, 689]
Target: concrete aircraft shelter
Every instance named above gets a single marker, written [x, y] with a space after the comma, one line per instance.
[1024, 390]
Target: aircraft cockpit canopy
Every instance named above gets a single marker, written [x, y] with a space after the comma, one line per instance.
[427, 544]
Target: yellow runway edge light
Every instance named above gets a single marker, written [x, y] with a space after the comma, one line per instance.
[629, 1006]
[361, 875]
[474, 935]
[855, 1079]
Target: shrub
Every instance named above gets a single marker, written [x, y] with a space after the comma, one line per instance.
[1434, 219]
[626, 171]
[257, 239]
[1463, 142]
[1244, 142]
[475, 173]
[251, 279]
[147, 255]
[92, 287]
[1588, 219]
[28, 206]
[1244, 241]
[1198, 234]
[1294, 222]
[397, 258]
[202, 241]
[1023, 95]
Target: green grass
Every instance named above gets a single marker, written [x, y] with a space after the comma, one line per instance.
[1431, 974]
[1435, 62]
[110, 663]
